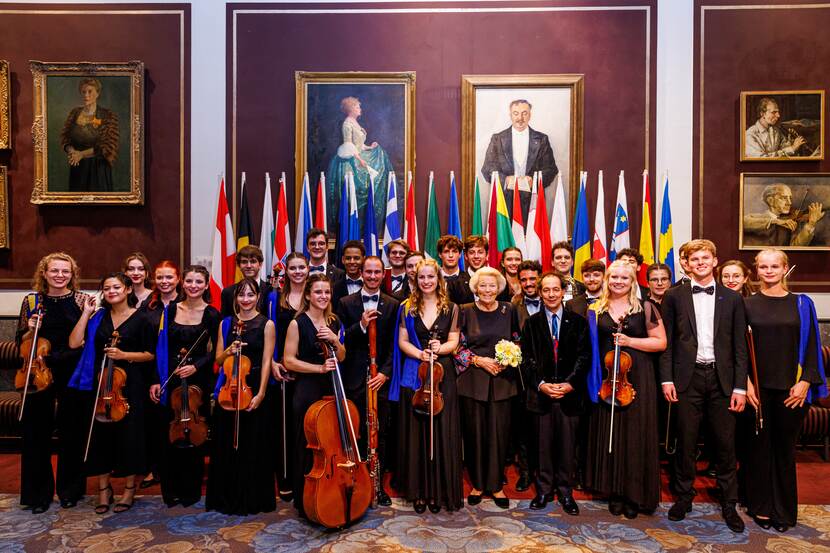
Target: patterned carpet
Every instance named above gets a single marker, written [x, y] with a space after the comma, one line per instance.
[150, 527]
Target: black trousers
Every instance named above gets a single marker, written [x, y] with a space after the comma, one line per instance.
[556, 432]
[37, 482]
[486, 430]
[384, 415]
[74, 416]
[771, 487]
[520, 429]
[704, 397]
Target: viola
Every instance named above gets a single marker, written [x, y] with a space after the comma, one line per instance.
[33, 376]
[338, 488]
[111, 405]
[235, 395]
[188, 428]
[616, 390]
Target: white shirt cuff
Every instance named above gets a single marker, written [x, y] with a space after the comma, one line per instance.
[739, 391]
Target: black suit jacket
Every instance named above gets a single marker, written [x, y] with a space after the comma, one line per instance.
[574, 360]
[228, 293]
[677, 362]
[499, 156]
[460, 293]
[356, 364]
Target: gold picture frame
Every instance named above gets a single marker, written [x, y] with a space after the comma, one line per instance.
[771, 201]
[485, 116]
[799, 118]
[5, 106]
[110, 168]
[387, 122]
[4, 208]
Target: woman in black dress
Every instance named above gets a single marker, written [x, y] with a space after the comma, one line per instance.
[630, 474]
[428, 324]
[485, 387]
[241, 481]
[791, 374]
[137, 267]
[193, 323]
[117, 448]
[303, 356]
[55, 290]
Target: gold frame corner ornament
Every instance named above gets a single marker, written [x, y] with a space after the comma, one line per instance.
[746, 94]
[4, 208]
[40, 190]
[5, 106]
[470, 83]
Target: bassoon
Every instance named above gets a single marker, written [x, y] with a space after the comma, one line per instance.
[372, 412]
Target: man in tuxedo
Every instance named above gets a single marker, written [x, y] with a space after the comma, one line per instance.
[562, 255]
[593, 273]
[355, 311]
[519, 151]
[528, 302]
[449, 249]
[394, 278]
[556, 353]
[703, 371]
[317, 244]
[684, 265]
[249, 260]
[352, 259]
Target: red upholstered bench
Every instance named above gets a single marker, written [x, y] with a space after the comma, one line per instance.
[9, 400]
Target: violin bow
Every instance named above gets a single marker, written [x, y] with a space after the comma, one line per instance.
[432, 336]
[39, 311]
[95, 406]
[616, 369]
[183, 360]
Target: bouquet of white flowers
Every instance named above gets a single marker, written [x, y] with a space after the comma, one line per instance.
[508, 354]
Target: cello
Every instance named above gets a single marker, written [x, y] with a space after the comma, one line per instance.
[428, 400]
[338, 489]
[235, 395]
[616, 390]
[34, 376]
[110, 403]
[188, 428]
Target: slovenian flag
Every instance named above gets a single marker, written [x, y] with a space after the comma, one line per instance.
[619, 240]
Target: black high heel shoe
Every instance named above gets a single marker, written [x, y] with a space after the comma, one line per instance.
[764, 523]
[102, 508]
[780, 526]
[122, 507]
[420, 506]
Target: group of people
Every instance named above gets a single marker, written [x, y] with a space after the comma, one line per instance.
[682, 345]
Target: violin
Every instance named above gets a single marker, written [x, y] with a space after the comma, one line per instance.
[616, 390]
[235, 394]
[111, 405]
[428, 399]
[188, 428]
[338, 489]
[33, 376]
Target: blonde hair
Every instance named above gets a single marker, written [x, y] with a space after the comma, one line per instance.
[39, 283]
[416, 297]
[309, 283]
[700, 244]
[781, 255]
[634, 305]
[501, 282]
[348, 103]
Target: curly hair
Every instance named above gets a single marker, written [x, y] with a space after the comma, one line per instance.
[416, 297]
[39, 283]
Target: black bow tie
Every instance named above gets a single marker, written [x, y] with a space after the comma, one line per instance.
[450, 278]
[531, 301]
[358, 282]
[367, 299]
[398, 278]
[317, 269]
[697, 289]
[591, 300]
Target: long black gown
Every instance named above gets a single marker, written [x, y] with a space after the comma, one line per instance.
[282, 406]
[632, 470]
[241, 481]
[119, 447]
[440, 480]
[37, 483]
[181, 470]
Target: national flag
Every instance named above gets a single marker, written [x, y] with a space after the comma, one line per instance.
[243, 226]
[476, 227]
[370, 232]
[320, 215]
[620, 240]
[559, 221]
[538, 225]
[454, 217]
[343, 217]
[224, 249]
[498, 223]
[646, 233]
[410, 224]
[266, 234]
[304, 218]
[599, 250]
[665, 246]
[517, 226]
[354, 218]
[582, 229]
[282, 233]
[433, 223]
[392, 224]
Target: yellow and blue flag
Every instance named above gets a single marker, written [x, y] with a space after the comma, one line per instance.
[582, 230]
[665, 247]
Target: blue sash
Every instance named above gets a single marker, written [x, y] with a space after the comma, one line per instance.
[809, 323]
[595, 374]
[84, 374]
[404, 368]
[162, 354]
[273, 308]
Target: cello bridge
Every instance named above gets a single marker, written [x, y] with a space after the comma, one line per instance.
[348, 465]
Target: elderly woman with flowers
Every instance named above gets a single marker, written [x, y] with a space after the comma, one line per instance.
[487, 360]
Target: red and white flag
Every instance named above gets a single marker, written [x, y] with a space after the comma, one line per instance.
[598, 247]
[320, 218]
[282, 232]
[224, 249]
[517, 224]
[538, 225]
[410, 224]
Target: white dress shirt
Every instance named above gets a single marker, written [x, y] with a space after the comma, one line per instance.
[705, 318]
[533, 309]
[548, 315]
[368, 305]
[352, 287]
[521, 143]
[313, 268]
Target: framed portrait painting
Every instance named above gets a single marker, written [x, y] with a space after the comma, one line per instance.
[784, 210]
[778, 125]
[88, 133]
[355, 124]
[517, 125]
[5, 106]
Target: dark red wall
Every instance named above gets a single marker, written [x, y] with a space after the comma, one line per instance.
[608, 46]
[751, 49]
[100, 236]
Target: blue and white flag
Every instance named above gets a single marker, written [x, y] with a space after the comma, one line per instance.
[354, 218]
[454, 218]
[392, 223]
[370, 235]
[620, 239]
[303, 219]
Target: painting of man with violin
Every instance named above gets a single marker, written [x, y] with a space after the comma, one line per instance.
[782, 125]
[784, 210]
